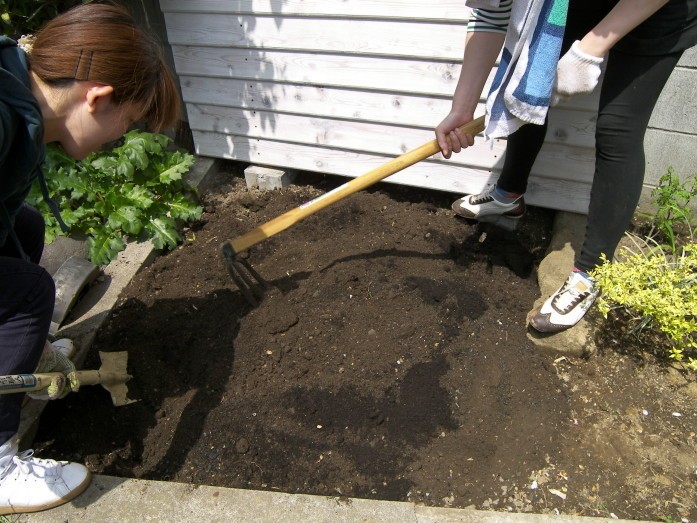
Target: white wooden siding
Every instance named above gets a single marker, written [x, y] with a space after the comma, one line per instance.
[341, 87]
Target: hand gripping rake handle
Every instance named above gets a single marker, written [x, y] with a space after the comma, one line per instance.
[232, 247]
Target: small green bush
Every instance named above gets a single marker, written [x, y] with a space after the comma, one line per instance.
[657, 293]
[656, 286]
[674, 215]
[135, 190]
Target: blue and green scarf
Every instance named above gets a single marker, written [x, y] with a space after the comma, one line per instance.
[522, 87]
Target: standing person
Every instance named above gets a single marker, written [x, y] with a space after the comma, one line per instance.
[643, 41]
[90, 74]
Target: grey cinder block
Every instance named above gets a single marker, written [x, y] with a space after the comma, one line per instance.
[267, 178]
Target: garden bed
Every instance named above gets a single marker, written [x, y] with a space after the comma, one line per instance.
[390, 361]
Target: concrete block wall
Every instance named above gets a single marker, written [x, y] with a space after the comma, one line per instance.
[671, 140]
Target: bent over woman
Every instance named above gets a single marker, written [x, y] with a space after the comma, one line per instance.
[90, 74]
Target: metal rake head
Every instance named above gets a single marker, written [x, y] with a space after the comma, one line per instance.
[249, 281]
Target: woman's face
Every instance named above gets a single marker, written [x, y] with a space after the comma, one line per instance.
[94, 122]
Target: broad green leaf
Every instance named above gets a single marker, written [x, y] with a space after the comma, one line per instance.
[175, 171]
[181, 208]
[139, 196]
[126, 169]
[103, 248]
[126, 218]
[164, 231]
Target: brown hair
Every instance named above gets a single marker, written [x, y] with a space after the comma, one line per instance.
[102, 43]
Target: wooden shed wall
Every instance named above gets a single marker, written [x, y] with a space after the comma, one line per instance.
[341, 87]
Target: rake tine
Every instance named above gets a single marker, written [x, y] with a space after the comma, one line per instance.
[247, 290]
[251, 270]
[249, 281]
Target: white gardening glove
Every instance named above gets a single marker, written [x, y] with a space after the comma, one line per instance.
[53, 360]
[577, 73]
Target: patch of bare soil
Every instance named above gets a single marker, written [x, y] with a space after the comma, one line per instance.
[390, 361]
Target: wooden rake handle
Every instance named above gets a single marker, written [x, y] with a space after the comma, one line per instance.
[389, 168]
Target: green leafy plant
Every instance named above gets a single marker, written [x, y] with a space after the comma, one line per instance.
[21, 17]
[135, 190]
[651, 288]
[674, 214]
[657, 292]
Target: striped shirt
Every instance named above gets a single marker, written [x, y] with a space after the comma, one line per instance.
[494, 20]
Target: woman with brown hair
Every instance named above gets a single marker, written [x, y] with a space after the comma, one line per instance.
[90, 74]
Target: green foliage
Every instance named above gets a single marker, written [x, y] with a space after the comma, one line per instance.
[135, 190]
[673, 197]
[655, 288]
[659, 293]
[21, 17]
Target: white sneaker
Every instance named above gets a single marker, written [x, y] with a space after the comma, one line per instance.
[477, 205]
[567, 306]
[29, 484]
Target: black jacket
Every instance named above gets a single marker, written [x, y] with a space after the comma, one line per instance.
[22, 149]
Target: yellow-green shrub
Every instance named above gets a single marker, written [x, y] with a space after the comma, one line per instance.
[659, 292]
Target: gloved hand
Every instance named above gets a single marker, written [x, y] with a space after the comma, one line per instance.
[577, 73]
[52, 360]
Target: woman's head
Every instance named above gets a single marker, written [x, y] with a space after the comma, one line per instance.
[99, 45]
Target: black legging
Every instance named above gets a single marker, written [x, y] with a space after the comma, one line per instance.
[628, 94]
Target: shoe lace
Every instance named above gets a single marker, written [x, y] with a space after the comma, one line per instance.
[28, 464]
[569, 297]
[483, 197]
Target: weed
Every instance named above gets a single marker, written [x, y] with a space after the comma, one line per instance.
[658, 293]
[674, 215]
[135, 190]
[654, 284]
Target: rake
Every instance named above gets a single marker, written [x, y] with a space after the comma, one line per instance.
[249, 281]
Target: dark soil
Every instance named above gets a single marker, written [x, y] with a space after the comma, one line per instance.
[390, 361]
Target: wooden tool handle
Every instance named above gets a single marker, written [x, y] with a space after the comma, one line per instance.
[389, 168]
[14, 383]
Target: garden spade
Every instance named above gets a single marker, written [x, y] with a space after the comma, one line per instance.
[249, 281]
[111, 375]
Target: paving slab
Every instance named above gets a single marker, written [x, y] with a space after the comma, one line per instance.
[110, 499]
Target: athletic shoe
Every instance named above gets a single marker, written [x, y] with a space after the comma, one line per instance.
[29, 484]
[567, 306]
[476, 205]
